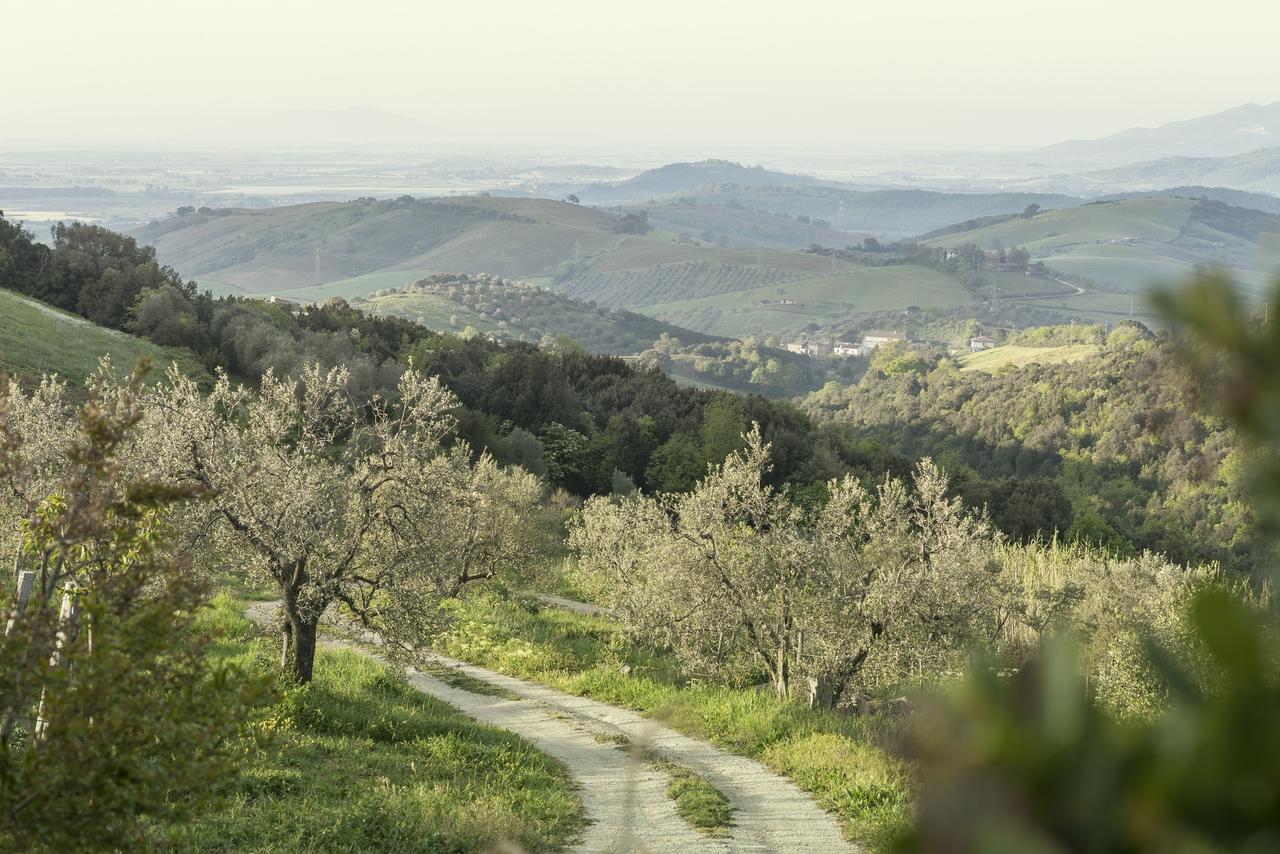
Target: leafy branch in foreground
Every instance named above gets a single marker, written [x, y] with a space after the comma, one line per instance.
[1034, 764]
[134, 720]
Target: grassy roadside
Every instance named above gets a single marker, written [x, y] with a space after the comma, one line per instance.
[836, 758]
[360, 761]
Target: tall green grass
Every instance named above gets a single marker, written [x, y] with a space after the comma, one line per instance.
[843, 761]
[38, 339]
[359, 761]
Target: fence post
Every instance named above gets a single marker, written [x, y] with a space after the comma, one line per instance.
[26, 580]
[68, 628]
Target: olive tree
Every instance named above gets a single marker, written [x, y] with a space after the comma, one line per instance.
[735, 575]
[905, 583]
[300, 478]
[447, 524]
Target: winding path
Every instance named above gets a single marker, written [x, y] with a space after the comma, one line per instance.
[572, 605]
[625, 797]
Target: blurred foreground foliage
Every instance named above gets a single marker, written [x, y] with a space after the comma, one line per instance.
[1032, 763]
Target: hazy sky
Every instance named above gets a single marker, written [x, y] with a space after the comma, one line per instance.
[988, 73]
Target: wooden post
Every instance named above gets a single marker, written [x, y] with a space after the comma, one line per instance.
[286, 634]
[820, 694]
[26, 580]
[68, 628]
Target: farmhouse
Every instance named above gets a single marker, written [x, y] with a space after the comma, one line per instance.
[810, 348]
[876, 337]
[846, 348]
[981, 342]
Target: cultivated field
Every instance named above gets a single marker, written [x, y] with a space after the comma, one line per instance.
[790, 305]
[1013, 355]
[1138, 244]
[1157, 219]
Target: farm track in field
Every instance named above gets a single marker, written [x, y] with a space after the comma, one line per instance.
[605, 749]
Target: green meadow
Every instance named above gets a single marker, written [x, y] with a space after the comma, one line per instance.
[36, 338]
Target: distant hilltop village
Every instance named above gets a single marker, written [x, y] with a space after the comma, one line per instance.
[822, 349]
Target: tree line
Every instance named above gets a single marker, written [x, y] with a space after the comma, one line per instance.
[1116, 449]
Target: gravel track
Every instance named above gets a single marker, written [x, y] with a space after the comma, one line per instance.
[623, 796]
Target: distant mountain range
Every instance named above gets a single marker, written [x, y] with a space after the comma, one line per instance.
[1248, 180]
[1238, 130]
[885, 213]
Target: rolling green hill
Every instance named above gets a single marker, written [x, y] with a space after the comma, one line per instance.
[737, 201]
[795, 304]
[37, 339]
[1264, 202]
[503, 309]
[1116, 250]
[886, 213]
[298, 246]
[637, 274]
[1134, 244]
[733, 223]
[362, 246]
[1158, 219]
[680, 177]
[366, 246]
